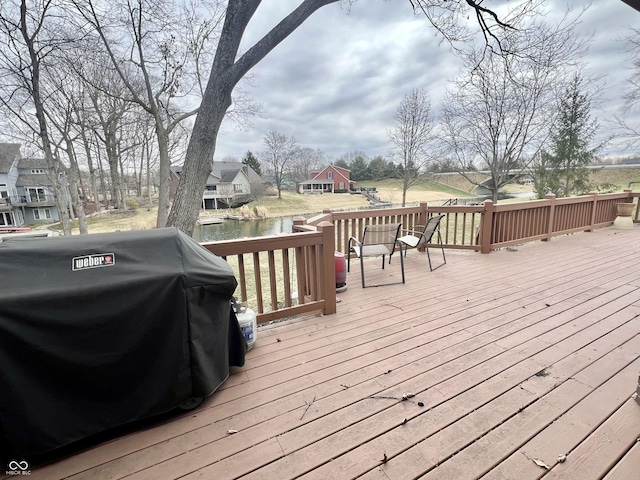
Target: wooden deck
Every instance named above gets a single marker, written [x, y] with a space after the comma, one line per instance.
[478, 369]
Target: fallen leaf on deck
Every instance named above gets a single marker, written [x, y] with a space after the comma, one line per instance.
[561, 458]
[540, 463]
[231, 432]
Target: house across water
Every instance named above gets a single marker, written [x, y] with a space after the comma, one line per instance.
[26, 189]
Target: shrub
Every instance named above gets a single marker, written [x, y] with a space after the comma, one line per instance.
[131, 203]
[245, 211]
[260, 211]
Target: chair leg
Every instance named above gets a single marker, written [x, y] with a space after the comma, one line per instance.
[442, 248]
[402, 265]
[362, 271]
[383, 261]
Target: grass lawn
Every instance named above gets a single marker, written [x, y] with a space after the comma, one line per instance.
[430, 191]
[293, 203]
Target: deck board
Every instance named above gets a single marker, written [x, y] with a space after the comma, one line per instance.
[321, 396]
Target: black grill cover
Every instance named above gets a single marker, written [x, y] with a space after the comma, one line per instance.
[100, 330]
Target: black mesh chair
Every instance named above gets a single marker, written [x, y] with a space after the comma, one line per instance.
[423, 235]
[377, 240]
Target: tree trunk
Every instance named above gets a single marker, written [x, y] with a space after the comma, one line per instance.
[103, 183]
[74, 180]
[61, 199]
[226, 72]
[165, 165]
[92, 170]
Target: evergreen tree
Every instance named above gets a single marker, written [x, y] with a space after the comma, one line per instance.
[252, 161]
[359, 169]
[341, 162]
[571, 140]
[541, 172]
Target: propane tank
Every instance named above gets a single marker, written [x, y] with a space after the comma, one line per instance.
[248, 323]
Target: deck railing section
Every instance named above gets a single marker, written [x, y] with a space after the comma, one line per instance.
[517, 223]
[291, 274]
[352, 223]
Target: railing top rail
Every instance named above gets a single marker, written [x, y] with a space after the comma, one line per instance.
[377, 212]
[456, 208]
[260, 244]
[322, 217]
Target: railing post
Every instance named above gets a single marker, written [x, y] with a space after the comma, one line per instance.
[298, 221]
[552, 215]
[486, 230]
[328, 267]
[594, 208]
[423, 217]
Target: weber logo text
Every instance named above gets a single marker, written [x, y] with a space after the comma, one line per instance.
[93, 261]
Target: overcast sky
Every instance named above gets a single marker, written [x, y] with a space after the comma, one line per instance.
[335, 83]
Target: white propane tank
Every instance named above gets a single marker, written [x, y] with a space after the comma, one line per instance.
[248, 324]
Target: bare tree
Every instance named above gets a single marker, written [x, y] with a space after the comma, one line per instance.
[229, 68]
[451, 19]
[277, 156]
[31, 36]
[629, 132]
[168, 41]
[304, 160]
[498, 116]
[62, 117]
[412, 137]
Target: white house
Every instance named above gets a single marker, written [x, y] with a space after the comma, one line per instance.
[26, 189]
[228, 183]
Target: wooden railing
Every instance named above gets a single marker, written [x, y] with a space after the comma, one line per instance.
[289, 274]
[516, 223]
[292, 274]
[488, 226]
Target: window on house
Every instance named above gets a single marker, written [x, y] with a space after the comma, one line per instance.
[6, 218]
[341, 186]
[42, 214]
[237, 188]
[211, 188]
[36, 194]
[330, 175]
[37, 170]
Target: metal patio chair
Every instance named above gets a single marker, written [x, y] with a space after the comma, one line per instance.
[377, 240]
[423, 235]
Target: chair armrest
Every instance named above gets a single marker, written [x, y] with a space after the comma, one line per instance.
[415, 229]
[354, 239]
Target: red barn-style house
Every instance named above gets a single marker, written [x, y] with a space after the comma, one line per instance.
[330, 179]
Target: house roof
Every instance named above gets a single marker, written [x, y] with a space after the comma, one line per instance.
[343, 172]
[224, 172]
[8, 154]
[32, 163]
[228, 176]
[33, 180]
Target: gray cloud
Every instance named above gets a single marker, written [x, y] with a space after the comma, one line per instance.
[335, 83]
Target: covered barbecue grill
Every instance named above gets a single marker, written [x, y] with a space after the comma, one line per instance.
[100, 330]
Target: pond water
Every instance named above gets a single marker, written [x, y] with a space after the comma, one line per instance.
[235, 229]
